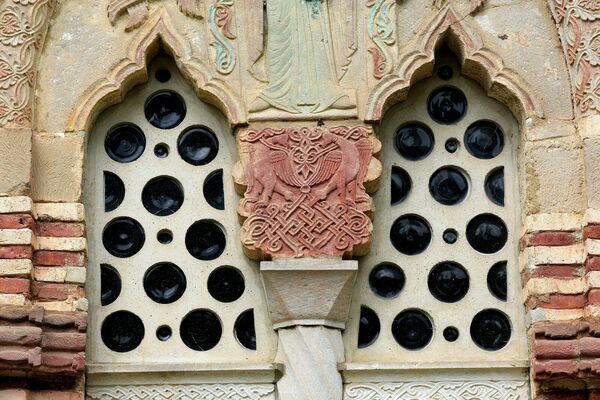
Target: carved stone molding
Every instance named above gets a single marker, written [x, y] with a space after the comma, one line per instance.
[220, 20]
[23, 26]
[478, 61]
[132, 70]
[138, 10]
[579, 28]
[305, 191]
[455, 390]
[188, 392]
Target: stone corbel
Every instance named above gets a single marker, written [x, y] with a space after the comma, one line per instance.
[308, 302]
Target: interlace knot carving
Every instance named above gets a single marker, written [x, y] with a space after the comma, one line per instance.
[305, 191]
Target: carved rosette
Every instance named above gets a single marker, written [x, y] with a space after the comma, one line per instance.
[578, 23]
[23, 25]
[304, 191]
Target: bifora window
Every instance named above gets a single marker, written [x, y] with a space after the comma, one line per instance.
[441, 283]
[169, 281]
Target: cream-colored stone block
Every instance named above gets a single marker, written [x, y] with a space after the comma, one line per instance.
[67, 212]
[16, 236]
[553, 222]
[593, 279]
[591, 311]
[546, 314]
[15, 161]
[589, 126]
[59, 243]
[541, 286]
[16, 204]
[592, 216]
[57, 167]
[548, 129]
[591, 149]
[532, 256]
[75, 274]
[12, 299]
[81, 304]
[592, 246]
[15, 267]
[50, 274]
[57, 305]
[554, 179]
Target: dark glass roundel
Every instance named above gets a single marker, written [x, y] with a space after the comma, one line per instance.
[497, 280]
[201, 330]
[487, 233]
[122, 331]
[213, 190]
[125, 143]
[163, 75]
[451, 334]
[448, 282]
[123, 237]
[450, 236]
[205, 240]
[386, 280]
[452, 145]
[245, 331]
[447, 105]
[410, 234]
[401, 185]
[110, 284]
[165, 109]
[490, 330]
[162, 196]
[226, 284]
[445, 72]
[412, 329]
[164, 283]
[114, 191]
[414, 141]
[161, 150]
[164, 333]
[494, 186]
[484, 139]
[198, 145]
[369, 327]
[164, 236]
[448, 186]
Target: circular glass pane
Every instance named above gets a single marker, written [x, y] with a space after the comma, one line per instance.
[412, 329]
[213, 190]
[110, 284]
[205, 240]
[198, 145]
[410, 234]
[163, 75]
[448, 186]
[490, 330]
[445, 72]
[161, 150]
[245, 331]
[451, 334]
[401, 185]
[494, 186]
[452, 145]
[164, 283]
[200, 330]
[369, 327]
[497, 280]
[164, 333]
[164, 236]
[450, 236]
[165, 109]
[487, 233]
[414, 141]
[484, 139]
[447, 105]
[386, 280]
[114, 191]
[125, 143]
[226, 284]
[123, 237]
[122, 331]
[448, 282]
[162, 196]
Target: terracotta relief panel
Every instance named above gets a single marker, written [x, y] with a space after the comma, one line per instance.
[305, 192]
[23, 25]
[578, 24]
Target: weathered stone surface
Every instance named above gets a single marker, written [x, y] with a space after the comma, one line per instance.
[15, 161]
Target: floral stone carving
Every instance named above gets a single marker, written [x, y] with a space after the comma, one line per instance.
[304, 191]
[137, 10]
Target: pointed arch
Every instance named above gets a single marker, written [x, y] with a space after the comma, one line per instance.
[132, 70]
[479, 63]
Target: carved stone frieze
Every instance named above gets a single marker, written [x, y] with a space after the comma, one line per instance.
[579, 27]
[23, 26]
[220, 20]
[177, 392]
[137, 10]
[455, 390]
[304, 191]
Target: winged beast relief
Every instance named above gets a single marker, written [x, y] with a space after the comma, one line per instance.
[305, 192]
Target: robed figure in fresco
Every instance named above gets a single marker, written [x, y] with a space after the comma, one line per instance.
[309, 46]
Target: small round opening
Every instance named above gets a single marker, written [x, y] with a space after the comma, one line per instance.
[163, 75]
[164, 236]
[452, 145]
[164, 333]
[161, 150]
[450, 236]
[451, 334]
[445, 72]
